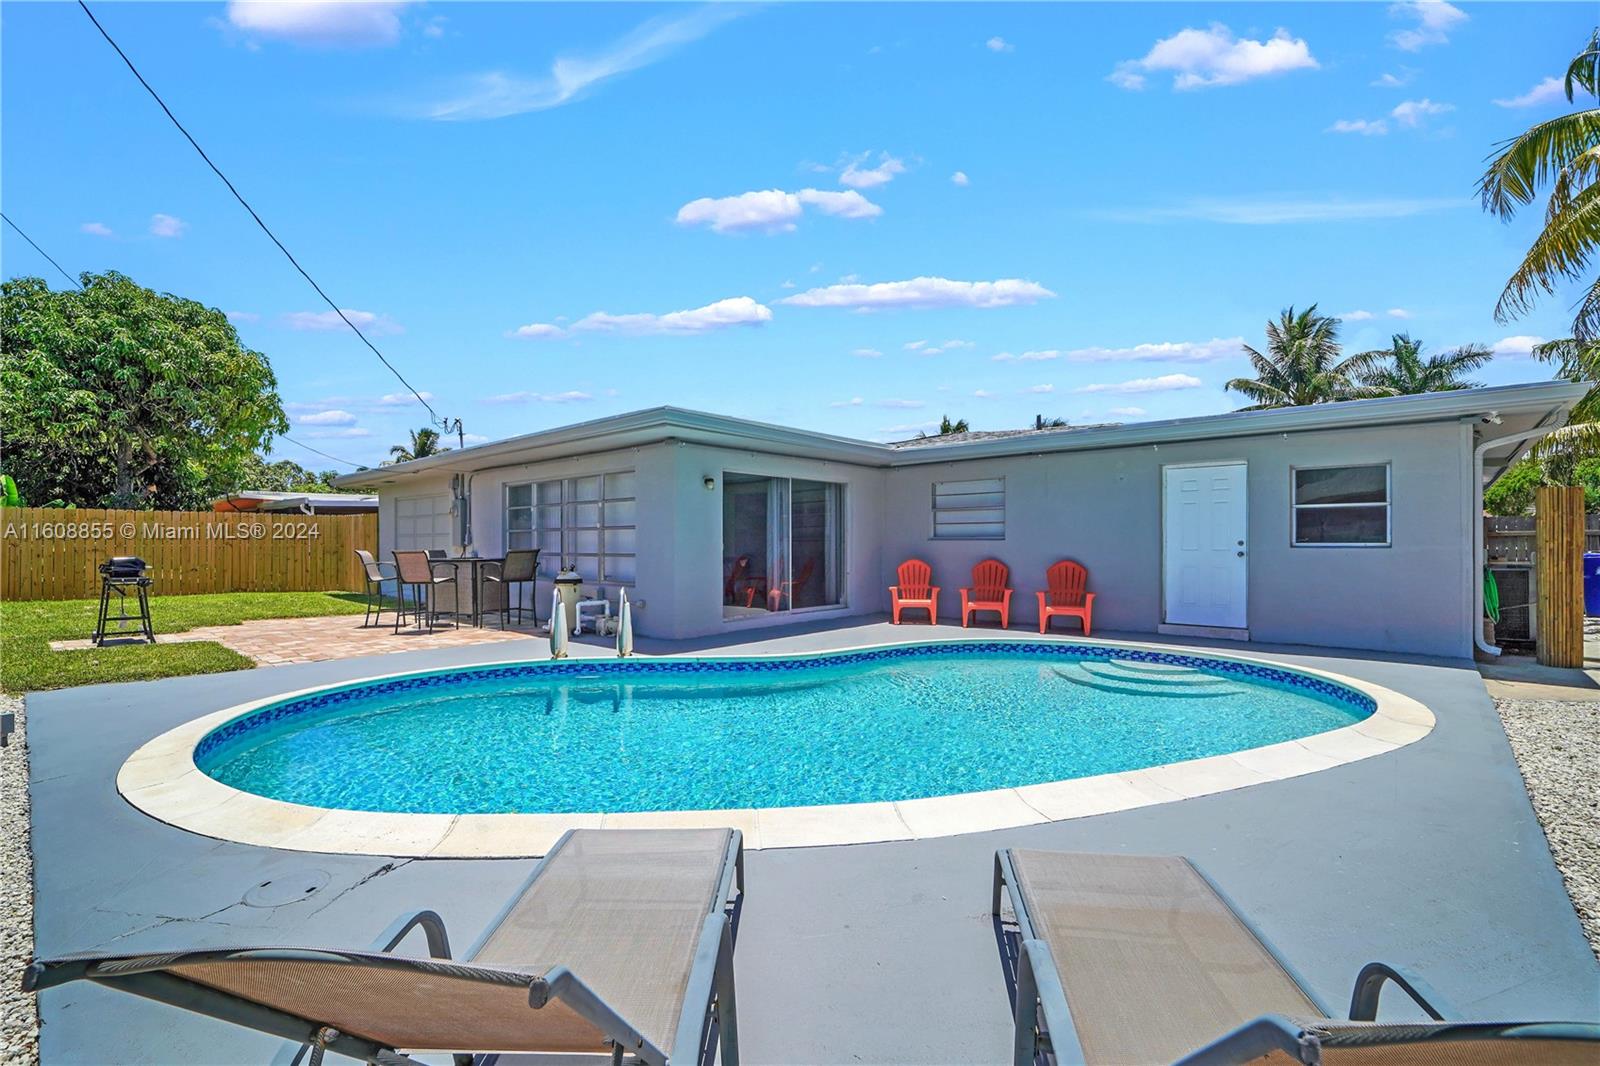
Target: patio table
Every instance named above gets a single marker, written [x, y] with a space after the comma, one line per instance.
[474, 586]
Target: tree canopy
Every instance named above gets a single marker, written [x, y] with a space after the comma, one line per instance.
[424, 442]
[116, 395]
[1401, 369]
[1303, 365]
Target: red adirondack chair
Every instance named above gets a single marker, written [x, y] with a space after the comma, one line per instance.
[915, 589]
[786, 589]
[1068, 596]
[989, 592]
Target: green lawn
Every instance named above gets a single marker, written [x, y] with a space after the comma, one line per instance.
[27, 628]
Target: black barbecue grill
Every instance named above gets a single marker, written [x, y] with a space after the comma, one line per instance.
[120, 574]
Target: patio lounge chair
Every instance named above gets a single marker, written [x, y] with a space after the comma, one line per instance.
[1127, 958]
[989, 592]
[1068, 596]
[915, 589]
[374, 577]
[620, 942]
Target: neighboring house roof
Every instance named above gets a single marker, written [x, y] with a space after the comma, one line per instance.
[301, 502]
[1517, 406]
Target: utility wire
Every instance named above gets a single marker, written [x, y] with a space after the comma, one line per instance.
[325, 455]
[445, 423]
[41, 251]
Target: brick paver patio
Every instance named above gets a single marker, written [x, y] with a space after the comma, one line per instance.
[274, 641]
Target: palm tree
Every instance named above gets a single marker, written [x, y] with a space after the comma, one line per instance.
[947, 427]
[1407, 373]
[1041, 422]
[424, 442]
[1565, 153]
[1302, 365]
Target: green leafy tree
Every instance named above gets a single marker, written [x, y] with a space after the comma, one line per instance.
[1512, 492]
[1041, 422]
[1303, 365]
[283, 475]
[424, 442]
[1401, 370]
[116, 395]
[946, 426]
[1563, 153]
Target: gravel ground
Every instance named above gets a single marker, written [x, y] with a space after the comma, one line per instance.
[19, 1021]
[1557, 744]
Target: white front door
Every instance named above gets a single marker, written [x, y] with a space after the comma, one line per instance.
[1205, 567]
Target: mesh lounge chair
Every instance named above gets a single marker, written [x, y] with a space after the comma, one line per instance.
[620, 942]
[1155, 963]
[419, 572]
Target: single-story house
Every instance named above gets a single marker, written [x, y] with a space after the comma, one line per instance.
[1352, 525]
[296, 502]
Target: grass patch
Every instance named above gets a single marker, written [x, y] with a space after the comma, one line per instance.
[26, 629]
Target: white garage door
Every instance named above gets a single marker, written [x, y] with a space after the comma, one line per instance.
[422, 522]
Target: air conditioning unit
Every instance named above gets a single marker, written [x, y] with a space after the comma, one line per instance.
[1518, 594]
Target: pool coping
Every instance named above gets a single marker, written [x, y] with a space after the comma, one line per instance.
[161, 779]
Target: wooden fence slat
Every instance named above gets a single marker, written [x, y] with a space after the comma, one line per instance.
[54, 553]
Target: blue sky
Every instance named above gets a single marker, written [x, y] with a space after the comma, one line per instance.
[846, 218]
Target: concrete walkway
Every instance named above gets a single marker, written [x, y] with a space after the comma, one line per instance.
[1428, 856]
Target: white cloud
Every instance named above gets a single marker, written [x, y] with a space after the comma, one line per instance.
[909, 427]
[401, 399]
[324, 321]
[772, 210]
[1042, 356]
[923, 292]
[1514, 346]
[1160, 352]
[1434, 20]
[925, 348]
[237, 317]
[858, 177]
[1164, 383]
[1546, 92]
[984, 394]
[1041, 388]
[912, 346]
[96, 229]
[1398, 312]
[327, 418]
[320, 23]
[1128, 412]
[723, 314]
[167, 225]
[571, 396]
[473, 438]
[854, 401]
[1200, 59]
[496, 94]
[1411, 113]
[1365, 127]
[1393, 81]
[867, 353]
[999, 44]
[538, 331]
[960, 178]
[1355, 316]
[1269, 211]
[902, 405]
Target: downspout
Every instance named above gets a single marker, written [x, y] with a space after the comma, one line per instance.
[1479, 550]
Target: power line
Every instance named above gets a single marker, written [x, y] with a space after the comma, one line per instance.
[325, 455]
[264, 228]
[41, 251]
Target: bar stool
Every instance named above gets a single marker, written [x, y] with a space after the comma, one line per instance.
[520, 567]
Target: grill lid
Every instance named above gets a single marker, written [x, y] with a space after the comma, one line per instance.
[123, 566]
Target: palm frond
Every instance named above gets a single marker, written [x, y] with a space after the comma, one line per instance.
[1584, 70]
[1577, 440]
[1560, 251]
[1529, 161]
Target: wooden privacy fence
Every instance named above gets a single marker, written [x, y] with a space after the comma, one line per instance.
[54, 554]
[1558, 557]
[1510, 537]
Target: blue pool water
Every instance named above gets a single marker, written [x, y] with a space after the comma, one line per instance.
[693, 734]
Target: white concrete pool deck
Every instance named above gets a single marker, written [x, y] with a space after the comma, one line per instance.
[161, 779]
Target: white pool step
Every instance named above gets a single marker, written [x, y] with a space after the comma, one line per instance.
[1189, 685]
[1156, 673]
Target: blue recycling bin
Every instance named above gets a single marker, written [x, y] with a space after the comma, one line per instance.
[1591, 583]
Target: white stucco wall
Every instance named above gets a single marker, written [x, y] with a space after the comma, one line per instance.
[1103, 508]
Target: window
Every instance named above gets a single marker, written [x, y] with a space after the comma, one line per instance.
[1342, 506]
[969, 510]
[421, 523]
[782, 544]
[588, 523]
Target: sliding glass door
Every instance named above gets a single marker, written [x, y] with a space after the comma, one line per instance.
[782, 544]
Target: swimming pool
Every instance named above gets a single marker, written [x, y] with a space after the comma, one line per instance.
[885, 724]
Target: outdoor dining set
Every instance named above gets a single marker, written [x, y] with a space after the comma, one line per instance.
[431, 584]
